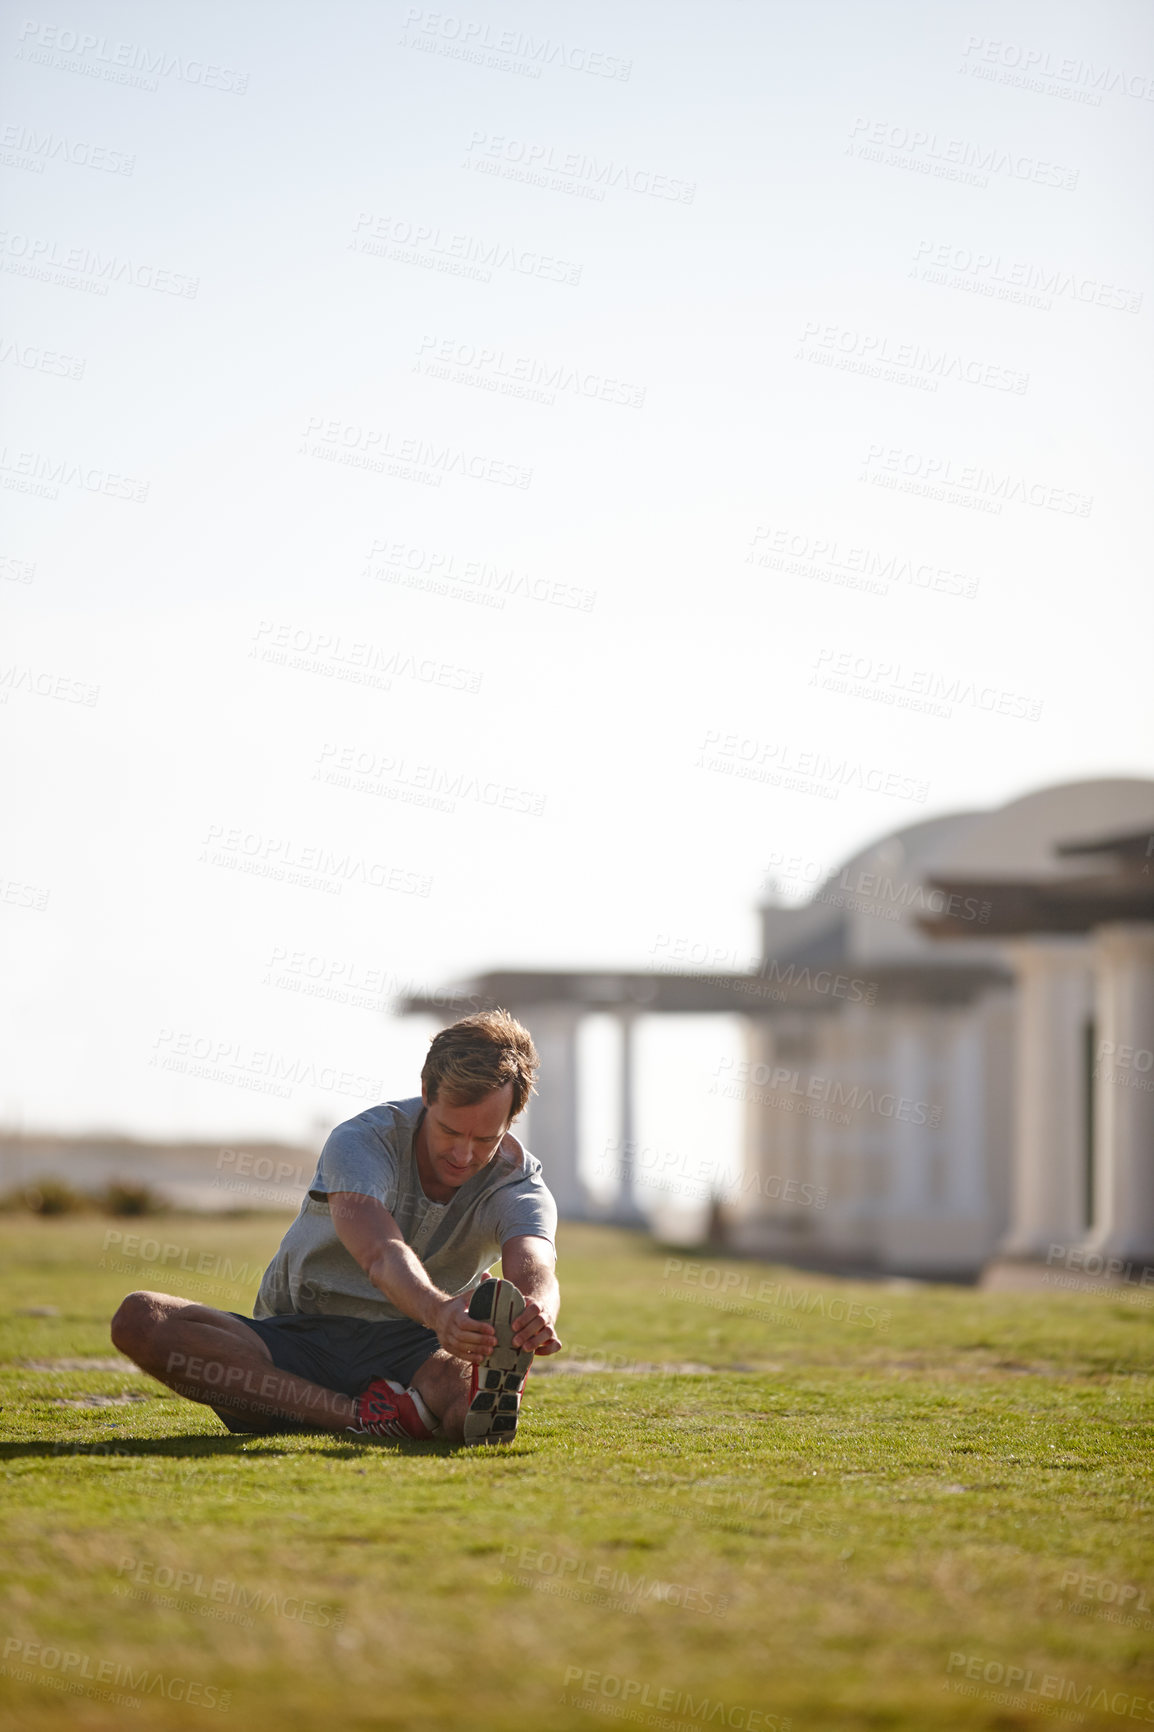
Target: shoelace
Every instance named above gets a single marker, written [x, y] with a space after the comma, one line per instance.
[382, 1427]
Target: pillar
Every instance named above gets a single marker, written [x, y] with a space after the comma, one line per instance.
[963, 1113]
[625, 1209]
[778, 1146]
[909, 1189]
[552, 1128]
[1054, 999]
[1123, 1227]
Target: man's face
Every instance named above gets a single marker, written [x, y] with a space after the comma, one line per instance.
[459, 1141]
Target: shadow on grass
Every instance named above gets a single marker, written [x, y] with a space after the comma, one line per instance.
[195, 1444]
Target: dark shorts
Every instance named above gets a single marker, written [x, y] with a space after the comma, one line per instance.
[341, 1353]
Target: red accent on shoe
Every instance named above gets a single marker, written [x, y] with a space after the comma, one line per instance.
[386, 1410]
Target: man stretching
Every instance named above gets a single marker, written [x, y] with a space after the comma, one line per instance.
[377, 1318]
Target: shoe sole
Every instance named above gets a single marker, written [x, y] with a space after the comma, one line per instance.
[494, 1410]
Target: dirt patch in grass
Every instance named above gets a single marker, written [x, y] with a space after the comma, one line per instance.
[633, 1368]
[111, 1362]
[99, 1400]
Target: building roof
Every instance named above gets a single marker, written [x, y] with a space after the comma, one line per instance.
[1020, 906]
[885, 905]
[774, 987]
[1132, 848]
[1058, 904]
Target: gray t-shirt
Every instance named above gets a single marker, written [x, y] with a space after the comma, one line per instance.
[373, 1154]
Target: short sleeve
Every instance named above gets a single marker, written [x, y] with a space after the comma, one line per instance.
[356, 1158]
[526, 1208]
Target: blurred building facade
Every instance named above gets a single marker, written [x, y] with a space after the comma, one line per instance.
[949, 1049]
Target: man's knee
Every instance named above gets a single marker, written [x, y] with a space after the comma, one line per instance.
[135, 1323]
[446, 1369]
[444, 1382]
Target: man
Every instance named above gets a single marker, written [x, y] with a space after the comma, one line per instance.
[377, 1318]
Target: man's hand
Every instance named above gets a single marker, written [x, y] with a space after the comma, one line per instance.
[527, 1262]
[462, 1335]
[534, 1330]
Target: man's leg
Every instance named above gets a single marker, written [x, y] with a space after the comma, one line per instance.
[443, 1384]
[211, 1357]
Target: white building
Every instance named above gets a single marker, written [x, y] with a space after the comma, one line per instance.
[949, 1048]
[966, 1112]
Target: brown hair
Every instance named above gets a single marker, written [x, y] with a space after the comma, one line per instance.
[479, 1054]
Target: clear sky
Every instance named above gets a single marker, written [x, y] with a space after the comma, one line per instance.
[441, 448]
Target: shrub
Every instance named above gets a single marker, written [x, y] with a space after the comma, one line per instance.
[50, 1196]
[130, 1197]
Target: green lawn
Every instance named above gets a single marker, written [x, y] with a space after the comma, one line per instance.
[873, 1497]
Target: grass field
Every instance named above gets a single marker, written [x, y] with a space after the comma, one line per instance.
[866, 1507]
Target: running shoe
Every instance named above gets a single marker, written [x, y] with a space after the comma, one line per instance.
[497, 1383]
[385, 1409]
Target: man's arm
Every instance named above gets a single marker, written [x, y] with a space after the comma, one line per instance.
[528, 1262]
[369, 1233]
